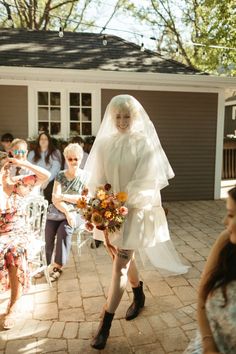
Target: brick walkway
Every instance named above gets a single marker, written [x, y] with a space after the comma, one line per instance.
[63, 319]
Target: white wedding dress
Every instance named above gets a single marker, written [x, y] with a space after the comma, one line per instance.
[129, 163]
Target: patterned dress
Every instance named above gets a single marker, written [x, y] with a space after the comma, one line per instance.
[222, 320]
[15, 242]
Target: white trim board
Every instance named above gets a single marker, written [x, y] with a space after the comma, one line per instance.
[219, 144]
[98, 76]
[230, 103]
[111, 86]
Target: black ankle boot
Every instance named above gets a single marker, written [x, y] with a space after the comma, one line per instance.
[100, 339]
[137, 304]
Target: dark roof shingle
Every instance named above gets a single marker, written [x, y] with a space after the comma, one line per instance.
[83, 51]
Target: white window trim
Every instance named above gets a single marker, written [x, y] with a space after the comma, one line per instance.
[33, 90]
[234, 112]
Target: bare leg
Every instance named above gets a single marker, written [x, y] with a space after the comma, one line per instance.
[119, 279]
[16, 292]
[133, 275]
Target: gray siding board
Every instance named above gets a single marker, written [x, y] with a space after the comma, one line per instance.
[186, 124]
[14, 110]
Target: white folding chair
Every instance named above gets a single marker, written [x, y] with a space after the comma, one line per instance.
[82, 237]
[35, 221]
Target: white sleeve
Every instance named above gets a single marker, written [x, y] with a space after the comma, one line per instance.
[95, 170]
[143, 188]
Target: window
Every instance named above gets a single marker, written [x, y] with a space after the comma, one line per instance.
[80, 114]
[49, 112]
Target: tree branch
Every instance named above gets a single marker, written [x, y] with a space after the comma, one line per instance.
[112, 15]
[86, 4]
[63, 3]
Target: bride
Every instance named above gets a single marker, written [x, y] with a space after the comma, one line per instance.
[128, 155]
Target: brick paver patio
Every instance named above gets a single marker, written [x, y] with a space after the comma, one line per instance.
[63, 319]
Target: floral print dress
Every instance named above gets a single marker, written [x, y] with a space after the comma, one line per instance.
[222, 320]
[15, 242]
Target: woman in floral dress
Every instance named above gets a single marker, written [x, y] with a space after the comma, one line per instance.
[217, 293]
[14, 240]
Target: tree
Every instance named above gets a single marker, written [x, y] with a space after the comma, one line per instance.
[46, 14]
[209, 24]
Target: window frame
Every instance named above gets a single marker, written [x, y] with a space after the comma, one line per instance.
[233, 112]
[65, 106]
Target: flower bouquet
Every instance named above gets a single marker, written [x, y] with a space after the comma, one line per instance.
[104, 211]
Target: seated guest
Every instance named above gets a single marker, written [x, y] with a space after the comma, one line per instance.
[6, 140]
[15, 242]
[216, 311]
[67, 188]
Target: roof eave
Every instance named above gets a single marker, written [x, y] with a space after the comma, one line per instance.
[115, 77]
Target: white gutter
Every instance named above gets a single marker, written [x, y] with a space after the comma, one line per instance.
[115, 77]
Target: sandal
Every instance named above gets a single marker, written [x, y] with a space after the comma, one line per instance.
[9, 321]
[39, 275]
[11, 314]
[55, 274]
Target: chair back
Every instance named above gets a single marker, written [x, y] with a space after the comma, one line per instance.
[35, 216]
[35, 222]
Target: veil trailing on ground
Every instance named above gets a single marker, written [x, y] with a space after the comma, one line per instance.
[141, 124]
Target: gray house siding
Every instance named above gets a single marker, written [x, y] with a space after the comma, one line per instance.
[186, 124]
[14, 110]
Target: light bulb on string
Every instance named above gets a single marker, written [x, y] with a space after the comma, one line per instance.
[142, 48]
[204, 55]
[104, 40]
[61, 33]
[177, 51]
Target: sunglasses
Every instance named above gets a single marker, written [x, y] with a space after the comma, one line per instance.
[19, 152]
[72, 159]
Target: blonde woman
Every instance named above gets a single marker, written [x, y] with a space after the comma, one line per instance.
[67, 187]
[15, 243]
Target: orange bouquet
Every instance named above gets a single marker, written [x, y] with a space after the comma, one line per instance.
[105, 210]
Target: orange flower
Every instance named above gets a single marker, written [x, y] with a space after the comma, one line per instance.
[108, 215]
[101, 194]
[104, 204]
[97, 219]
[122, 196]
[81, 203]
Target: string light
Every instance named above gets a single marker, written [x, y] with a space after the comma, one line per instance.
[61, 33]
[104, 40]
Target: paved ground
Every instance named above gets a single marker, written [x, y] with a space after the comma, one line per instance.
[63, 319]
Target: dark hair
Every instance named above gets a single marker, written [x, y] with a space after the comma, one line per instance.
[224, 271]
[52, 151]
[88, 143]
[7, 137]
[77, 139]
